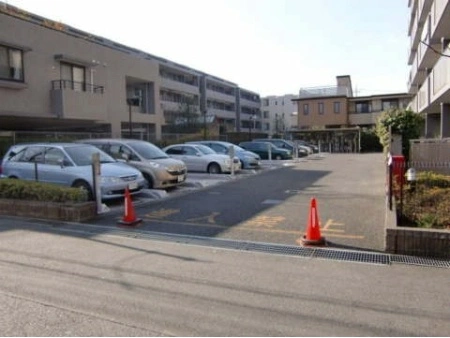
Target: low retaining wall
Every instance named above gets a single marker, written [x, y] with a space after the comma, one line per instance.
[76, 212]
[415, 241]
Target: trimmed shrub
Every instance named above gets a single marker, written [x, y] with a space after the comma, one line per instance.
[38, 191]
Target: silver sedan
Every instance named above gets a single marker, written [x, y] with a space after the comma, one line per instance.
[201, 158]
[70, 164]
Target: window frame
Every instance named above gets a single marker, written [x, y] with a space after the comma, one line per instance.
[306, 109]
[321, 108]
[8, 50]
[337, 107]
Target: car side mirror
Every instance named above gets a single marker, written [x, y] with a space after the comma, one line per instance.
[126, 157]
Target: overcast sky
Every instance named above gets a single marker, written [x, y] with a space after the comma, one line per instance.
[272, 47]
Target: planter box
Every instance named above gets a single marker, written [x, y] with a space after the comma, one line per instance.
[74, 212]
[415, 241]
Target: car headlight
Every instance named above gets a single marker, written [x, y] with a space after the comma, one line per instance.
[155, 165]
[110, 179]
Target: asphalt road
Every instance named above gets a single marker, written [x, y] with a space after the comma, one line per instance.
[74, 284]
[273, 205]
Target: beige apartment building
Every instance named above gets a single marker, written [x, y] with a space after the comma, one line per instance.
[54, 77]
[429, 58]
[332, 116]
[334, 107]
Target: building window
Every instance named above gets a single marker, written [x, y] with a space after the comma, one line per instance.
[389, 104]
[363, 107]
[306, 109]
[321, 108]
[11, 64]
[265, 102]
[74, 75]
[266, 114]
[337, 107]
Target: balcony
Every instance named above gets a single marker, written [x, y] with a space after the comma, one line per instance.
[248, 103]
[223, 114]
[215, 95]
[180, 86]
[423, 96]
[360, 119]
[78, 100]
[318, 92]
[440, 80]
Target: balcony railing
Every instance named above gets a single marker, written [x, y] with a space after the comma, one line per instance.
[77, 86]
[323, 92]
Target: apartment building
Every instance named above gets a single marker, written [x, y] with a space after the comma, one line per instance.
[332, 107]
[334, 117]
[429, 59]
[324, 107]
[364, 111]
[279, 114]
[54, 77]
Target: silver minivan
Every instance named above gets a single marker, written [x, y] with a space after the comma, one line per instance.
[160, 170]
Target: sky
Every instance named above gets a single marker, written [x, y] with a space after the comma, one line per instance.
[272, 47]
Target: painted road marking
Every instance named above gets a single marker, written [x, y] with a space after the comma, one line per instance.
[329, 223]
[162, 213]
[211, 219]
[264, 221]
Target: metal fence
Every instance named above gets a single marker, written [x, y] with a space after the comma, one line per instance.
[422, 202]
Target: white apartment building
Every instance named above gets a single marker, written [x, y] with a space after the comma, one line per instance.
[279, 114]
[429, 58]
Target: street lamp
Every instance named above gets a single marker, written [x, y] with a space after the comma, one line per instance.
[133, 101]
[252, 118]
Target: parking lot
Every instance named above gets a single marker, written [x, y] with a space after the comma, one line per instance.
[272, 204]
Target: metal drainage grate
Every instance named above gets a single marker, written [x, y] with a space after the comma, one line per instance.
[424, 261]
[352, 256]
[279, 249]
[308, 252]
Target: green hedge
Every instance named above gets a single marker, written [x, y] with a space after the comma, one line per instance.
[38, 191]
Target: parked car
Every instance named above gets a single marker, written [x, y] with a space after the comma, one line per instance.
[70, 164]
[249, 160]
[160, 170]
[288, 145]
[201, 158]
[262, 149]
[314, 148]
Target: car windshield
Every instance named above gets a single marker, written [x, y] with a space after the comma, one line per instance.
[148, 150]
[236, 148]
[82, 154]
[205, 150]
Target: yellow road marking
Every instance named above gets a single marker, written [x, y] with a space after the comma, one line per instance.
[257, 229]
[161, 213]
[209, 218]
[264, 221]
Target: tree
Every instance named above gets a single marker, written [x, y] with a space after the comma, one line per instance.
[399, 121]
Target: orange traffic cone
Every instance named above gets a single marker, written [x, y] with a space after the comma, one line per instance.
[129, 217]
[312, 236]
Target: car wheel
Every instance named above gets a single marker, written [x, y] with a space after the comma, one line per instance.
[278, 157]
[149, 180]
[85, 187]
[214, 168]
